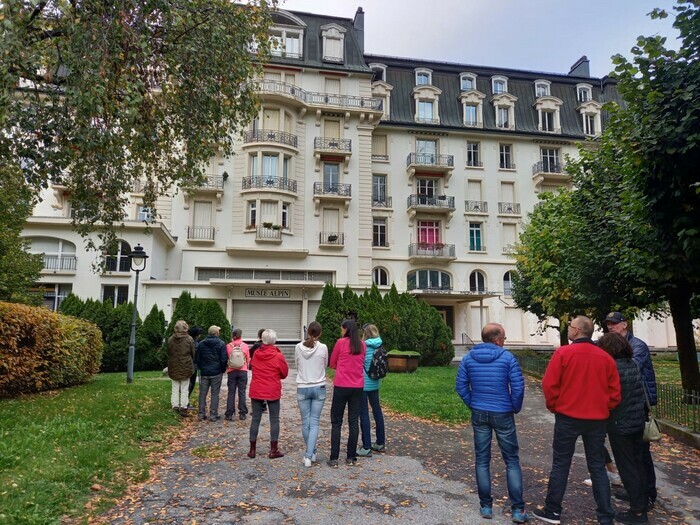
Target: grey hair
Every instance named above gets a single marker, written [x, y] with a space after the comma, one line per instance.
[269, 337]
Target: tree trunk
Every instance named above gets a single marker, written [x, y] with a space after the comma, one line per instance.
[563, 334]
[679, 301]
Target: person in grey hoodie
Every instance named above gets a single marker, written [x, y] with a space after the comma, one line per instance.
[311, 358]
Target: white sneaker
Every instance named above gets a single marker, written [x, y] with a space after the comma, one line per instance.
[307, 462]
[614, 478]
[313, 457]
[588, 482]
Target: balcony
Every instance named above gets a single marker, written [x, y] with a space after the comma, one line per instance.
[508, 249]
[279, 91]
[381, 158]
[506, 166]
[509, 208]
[269, 183]
[269, 136]
[550, 173]
[435, 252]
[476, 207]
[335, 147]
[60, 263]
[211, 185]
[201, 234]
[331, 239]
[430, 163]
[431, 204]
[272, 234]
[334, 192]
[381, 201]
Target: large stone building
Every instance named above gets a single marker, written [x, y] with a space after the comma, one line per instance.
[359, 169]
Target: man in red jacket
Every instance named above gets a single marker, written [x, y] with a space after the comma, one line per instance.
[581, 386]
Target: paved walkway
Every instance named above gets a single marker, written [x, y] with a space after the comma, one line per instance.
[426, 477]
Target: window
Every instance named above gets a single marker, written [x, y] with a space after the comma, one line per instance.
[499, 85]
[426, 151]
[423, 78]
[475, 244]
[286, 216]
[379, 73]
[428, 232]
[331, 177]
[293, 45]
[202, 221]
[425, 110]
[379, 190]
[502, 117]
[285, 167]
[584, 92]
[477, 282]
[505, 153]
[115, 294]
[332, 85]
[541, 88]
[508, 284]
[510, 237]
[270, 166]
[144, 213]
[252, 213]
[379, 149]
[379, 236]
[119, 261]
[470, 112]
[550, 160]
[548, 121]
[467, 82]
[428, 279]
[473, 154]
[474, 190]
[380, 276]
[589, 124]
[427, 188]
[333, 42]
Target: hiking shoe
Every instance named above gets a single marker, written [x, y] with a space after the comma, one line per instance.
[307, 462]
[351, 462]
[379, 448]
[214, 418]
[631, 518]
[333, 463]
[364, 452]
[547, 516]
[228, 418]
[486, 512]
[520, 516]
[241, 417]
[621, 495]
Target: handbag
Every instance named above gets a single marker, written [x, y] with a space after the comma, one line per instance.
[651, 427]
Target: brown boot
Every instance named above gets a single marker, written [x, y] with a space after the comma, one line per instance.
[251, 452]
[274, 451]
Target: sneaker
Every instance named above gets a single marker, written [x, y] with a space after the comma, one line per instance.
[379, 448]
[631, 518]
[364, 452]
[486, 512]
[351, 462]
[614, 478]
[307, 462]
[588, 482]
[520, 516]
[333, 463]
[621, 495]
[214, 418]
[313, 457]
[228, 418]
[547, 516]
[241, 417]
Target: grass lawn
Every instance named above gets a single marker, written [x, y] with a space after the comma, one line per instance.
[55, 446]
[667, 370]
[428, 393]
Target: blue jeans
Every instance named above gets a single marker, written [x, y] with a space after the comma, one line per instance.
[484, 423]
[373, 397]
[311, 401]
[566, 432]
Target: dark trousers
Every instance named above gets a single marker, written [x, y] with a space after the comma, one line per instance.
[274, 413]
[649, 465]
[193, 381]
[371, 397]
[237, 382]
[351, 397]
[627, 449]
[566, 432]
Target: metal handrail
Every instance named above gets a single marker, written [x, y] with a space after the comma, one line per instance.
[313, 98]
[381, 201]
[269, 135]
[60, 262]
[337, 238]
[261, 232]
[431, 249]
[509, 207]
[476, 206]
[332, 188]
[332, 144]
[200, 233]
[430, 159]
[270, 183]
[547, 167]
[433, 201]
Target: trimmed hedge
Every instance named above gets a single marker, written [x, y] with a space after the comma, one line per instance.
[42, 350]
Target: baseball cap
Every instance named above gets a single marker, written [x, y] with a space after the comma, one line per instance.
[615, 317]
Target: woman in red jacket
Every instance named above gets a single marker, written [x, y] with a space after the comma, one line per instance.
[348, 360]
[269, 369]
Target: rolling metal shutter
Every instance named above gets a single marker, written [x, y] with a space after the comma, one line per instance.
[283, 317]
[313, 310]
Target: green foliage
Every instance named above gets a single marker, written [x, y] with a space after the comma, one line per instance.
[208, 312]
[125, 92]
[117, 342]
[43, 350]
[149, 342]
[183, 310]
[331, 314]
[72, 305]
[19, 270]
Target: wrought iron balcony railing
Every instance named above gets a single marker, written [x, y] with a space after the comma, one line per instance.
[332, 144]
[509, 207]
[335, 238]
[268, 234]
[381, 201]
[430, 159]
[432, 201]
[424, 249]
[332, 188]
[472, 163]
[506, 166]
[214, 182]
[60, 262]
[477, 247]
[269, 183]
[268, 135]
[476, 206]
[544, 166]
[308, 97]
[376, 156]
[427, 120]
[203, 233]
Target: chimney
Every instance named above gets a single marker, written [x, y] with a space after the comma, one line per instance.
[581, 68]
[358, 25]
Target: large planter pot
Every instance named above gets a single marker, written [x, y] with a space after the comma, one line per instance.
[402, 363]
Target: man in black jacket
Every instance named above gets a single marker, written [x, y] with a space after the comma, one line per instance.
[211, 361]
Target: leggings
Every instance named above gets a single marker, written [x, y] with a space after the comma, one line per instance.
[273, 412]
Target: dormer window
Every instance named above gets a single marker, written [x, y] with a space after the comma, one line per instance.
[424, 77]
[499, 85]
[542, 88]
[427, 100]
[286, 43]
[379, 72]
[467, 82]
[548, 113]
[584, 92]
[333, 42]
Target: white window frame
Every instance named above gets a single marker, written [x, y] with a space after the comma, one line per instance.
[500, 123]
[542, 88]
[463, 77]
[333, 33]
[421, 73]
[380, 276]
[589, 124]
[474, 154]
[498, 81]
[477, 281]
[506, 155]
[508, 284]
[584, 88]
[476, 245]
[380, 230]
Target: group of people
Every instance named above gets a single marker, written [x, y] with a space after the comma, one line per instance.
[595, 389]
[353, 388]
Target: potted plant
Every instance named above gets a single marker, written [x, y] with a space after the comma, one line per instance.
[332, 238]
[403, 360]
[267, 225]
[276, 227]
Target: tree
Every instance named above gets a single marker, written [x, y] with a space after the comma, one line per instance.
[96, 95]
[19, 270]
[330, 315]
[149, 341]
[208, 312]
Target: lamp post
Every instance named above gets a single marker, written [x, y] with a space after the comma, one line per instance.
[137, 259]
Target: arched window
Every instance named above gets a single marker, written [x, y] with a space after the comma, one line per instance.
[477, 282]
[380, 276]
[428, 279]
[119, 261]
[508, 284]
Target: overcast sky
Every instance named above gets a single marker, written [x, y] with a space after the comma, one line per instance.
[536, 35]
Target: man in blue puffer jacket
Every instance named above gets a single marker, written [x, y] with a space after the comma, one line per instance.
[491, 384]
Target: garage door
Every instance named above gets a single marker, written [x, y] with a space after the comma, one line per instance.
[283, 317]
[313, 310]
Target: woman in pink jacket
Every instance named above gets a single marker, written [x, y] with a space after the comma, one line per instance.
[347, 359]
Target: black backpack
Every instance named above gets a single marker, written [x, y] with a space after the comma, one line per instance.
[379, 366]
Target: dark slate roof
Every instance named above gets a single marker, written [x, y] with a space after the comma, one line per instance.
[445, 76]
[313, 44]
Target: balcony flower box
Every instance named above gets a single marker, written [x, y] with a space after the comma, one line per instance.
[267, 225]
[403, 361]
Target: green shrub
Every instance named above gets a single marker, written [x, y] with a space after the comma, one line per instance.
[149, 341]
[42, 350]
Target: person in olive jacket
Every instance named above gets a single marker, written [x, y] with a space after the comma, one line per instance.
[211, 359]
[180, 366]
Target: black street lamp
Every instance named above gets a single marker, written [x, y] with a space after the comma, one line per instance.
[137, 259]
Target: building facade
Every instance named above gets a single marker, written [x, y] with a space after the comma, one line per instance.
[359, 169]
